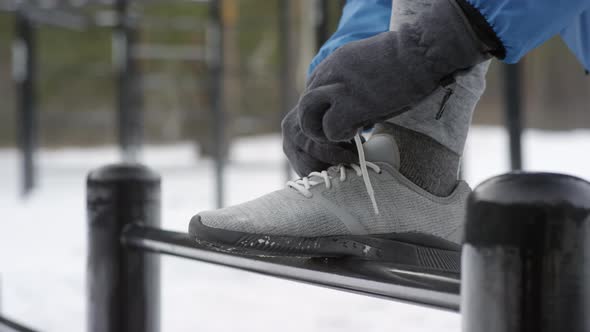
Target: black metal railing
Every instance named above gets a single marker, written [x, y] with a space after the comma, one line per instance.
[7, 325]
[525, 266]
[379, 279]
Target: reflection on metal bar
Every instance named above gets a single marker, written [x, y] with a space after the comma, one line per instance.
[10, 326]
[377, 279]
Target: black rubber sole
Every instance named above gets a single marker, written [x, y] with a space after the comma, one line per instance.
[418, 250]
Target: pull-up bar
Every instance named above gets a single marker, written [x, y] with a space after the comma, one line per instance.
[7, 325]
[379, 279]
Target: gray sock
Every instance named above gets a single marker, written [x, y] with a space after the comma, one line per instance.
[432, 135]
[423, 160]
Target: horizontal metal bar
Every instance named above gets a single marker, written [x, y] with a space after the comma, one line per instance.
[8, 5]
[58, 18]
[379, 279]
[10, 326]
[185, 23]
[169, 52]
[13, 5]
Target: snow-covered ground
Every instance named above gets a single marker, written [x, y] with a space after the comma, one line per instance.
[43, 239]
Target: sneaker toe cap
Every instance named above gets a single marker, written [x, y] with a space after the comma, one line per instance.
[276, 214]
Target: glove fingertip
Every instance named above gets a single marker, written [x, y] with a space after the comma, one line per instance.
[309, 124]
[337, 130]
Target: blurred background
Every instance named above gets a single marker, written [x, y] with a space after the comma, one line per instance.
[76, 70]
[197, 89]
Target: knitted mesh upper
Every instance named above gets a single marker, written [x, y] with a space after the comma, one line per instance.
[403, 207]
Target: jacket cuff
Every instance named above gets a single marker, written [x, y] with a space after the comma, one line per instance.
[483, 29]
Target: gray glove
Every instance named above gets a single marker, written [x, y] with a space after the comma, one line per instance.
[371, 80]
[307, 156]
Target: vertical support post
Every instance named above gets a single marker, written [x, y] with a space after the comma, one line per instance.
[24, 53]
[216, 94]
[322, 22]
[513, 112]
[123, 286]
[129, 119]
[525, 262]
[288, 64]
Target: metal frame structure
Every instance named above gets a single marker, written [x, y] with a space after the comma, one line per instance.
[24, 74]
[126, 51]
[513, 271]
[384, 280]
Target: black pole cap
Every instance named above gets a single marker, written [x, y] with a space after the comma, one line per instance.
[122, 182]
[512, 209]
[123, 172]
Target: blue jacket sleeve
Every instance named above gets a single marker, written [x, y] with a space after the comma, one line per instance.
[360, 19]
[522, 25]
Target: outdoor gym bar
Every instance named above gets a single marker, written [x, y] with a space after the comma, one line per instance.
[525, 261]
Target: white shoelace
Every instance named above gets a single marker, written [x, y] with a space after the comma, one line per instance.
[314, 178]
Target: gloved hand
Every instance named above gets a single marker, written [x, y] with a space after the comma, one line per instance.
[307, 156]
[371, 80]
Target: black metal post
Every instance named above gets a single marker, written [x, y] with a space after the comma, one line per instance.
[7, 325]
[129, 117]
[216, 94]
[513, 112]
[288, 64]
[25, 74]
[123, 285]
[525, 260]
[322, 22]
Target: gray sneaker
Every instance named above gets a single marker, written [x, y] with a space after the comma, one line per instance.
[336, 213]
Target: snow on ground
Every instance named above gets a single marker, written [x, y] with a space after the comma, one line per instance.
[43, 239]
